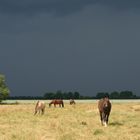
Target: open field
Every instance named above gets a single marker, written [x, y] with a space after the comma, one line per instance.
[79, 122]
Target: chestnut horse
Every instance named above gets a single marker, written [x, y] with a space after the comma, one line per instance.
[40, 106]
[72, 102]
[55, 102]
[104, 106]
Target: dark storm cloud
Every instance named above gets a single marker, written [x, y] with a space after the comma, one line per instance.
[87, 45]
[60, 7]
[33, 6]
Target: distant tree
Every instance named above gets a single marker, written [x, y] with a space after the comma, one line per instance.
[134, 96]
[70, 95]
[59, 94]
[101, 95]
[64, 95]
[106, 94]
[126, 94]
[4, 90]
[76, 95]
[114, 95]
[49, 95]
[82, 97]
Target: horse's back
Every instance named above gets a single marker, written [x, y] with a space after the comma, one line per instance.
[40, 104]
[59, 100]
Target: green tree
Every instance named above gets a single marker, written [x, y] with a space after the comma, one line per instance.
[76, 95]
[49, 95]
[114, 95]
[126, 94]
[65, 95]
[70, 95]
[59, 94]
[4, 90]
[101, 95]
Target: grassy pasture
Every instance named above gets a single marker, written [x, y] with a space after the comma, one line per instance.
[79, 122]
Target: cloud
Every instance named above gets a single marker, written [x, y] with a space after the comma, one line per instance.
[60, 7]
[34, 6]
[90, 51]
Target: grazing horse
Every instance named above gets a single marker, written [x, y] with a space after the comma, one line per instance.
[55, 102]
[40, 106]
[72, 102]
[104, 106]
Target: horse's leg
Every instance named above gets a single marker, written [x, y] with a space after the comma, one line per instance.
[35, 112]
[42, 111]
[54, 105]
[105, 119]
[62, 104]
[101, 118]
[105, 124]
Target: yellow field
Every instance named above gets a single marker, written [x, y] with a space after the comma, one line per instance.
[79, 122]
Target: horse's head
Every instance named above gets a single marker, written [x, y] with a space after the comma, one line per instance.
[50, 104]
[105, 103]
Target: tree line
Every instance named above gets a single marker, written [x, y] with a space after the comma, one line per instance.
[76, 95]
[4, 94]
[118, 95]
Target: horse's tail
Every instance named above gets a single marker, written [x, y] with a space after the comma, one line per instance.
[62, 104]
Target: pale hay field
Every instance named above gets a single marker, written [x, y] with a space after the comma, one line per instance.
[79, 122]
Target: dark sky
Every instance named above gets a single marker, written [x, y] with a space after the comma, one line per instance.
[88, 46]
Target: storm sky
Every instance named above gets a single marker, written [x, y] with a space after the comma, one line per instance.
[87, 46]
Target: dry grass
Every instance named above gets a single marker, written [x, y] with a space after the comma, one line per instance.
[79, 122]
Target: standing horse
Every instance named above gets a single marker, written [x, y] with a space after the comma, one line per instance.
[40, 106]
[104, 106]
[72, 102]
[55, 102]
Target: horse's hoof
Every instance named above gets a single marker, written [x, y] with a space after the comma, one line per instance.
[105, 125]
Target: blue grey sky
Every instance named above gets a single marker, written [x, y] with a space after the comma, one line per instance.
[88, 46]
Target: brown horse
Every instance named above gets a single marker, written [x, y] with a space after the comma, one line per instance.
[55, 102]
[104, 106]
[40, 106]
[72, 102]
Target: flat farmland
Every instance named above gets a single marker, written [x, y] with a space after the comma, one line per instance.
[73, 122]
